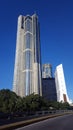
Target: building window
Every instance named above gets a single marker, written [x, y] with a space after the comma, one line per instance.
[28, 25]
[27, 60]
[28, 41]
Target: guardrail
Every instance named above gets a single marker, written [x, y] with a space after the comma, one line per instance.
[29, 121]
[27, 115]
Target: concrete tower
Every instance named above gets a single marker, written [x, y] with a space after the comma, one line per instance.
[60, 85]
[27, 71]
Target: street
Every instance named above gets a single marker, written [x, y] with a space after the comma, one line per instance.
[57, 123]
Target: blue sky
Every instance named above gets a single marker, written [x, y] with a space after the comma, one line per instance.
[56, 35]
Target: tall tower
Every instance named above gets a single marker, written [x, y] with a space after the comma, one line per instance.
[47, 71]
[60, 84]
[27, 71]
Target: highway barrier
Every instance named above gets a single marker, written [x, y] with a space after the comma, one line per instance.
[30, 121]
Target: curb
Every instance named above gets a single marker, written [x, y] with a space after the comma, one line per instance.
[27, 122]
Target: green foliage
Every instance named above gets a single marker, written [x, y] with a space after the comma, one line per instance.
[10, 102]
[34, 102]
[53, 105]
[59, 105]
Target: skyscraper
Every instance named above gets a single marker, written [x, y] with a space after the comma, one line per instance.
[60, 84]
[48, 83]
[46, 71]
[49, 89]
[27, 71]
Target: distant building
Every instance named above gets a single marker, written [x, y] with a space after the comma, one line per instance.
[46, 71]
[49, 89]
[60, 85]
[27, 70]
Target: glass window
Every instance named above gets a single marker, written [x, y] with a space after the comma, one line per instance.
[36, 40]
[28, 25]
[28, 41]
[27, 60]
[36, 50]
[22, 23]
[27, 83]
[47, 70]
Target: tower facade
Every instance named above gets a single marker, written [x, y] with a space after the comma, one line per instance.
[49, 89]
[46, 71]
[27, 71]
[60, 85]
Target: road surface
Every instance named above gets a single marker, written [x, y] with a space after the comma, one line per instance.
[57, 123]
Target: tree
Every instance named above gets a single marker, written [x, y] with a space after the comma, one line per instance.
[11, 103]
[8, 100]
